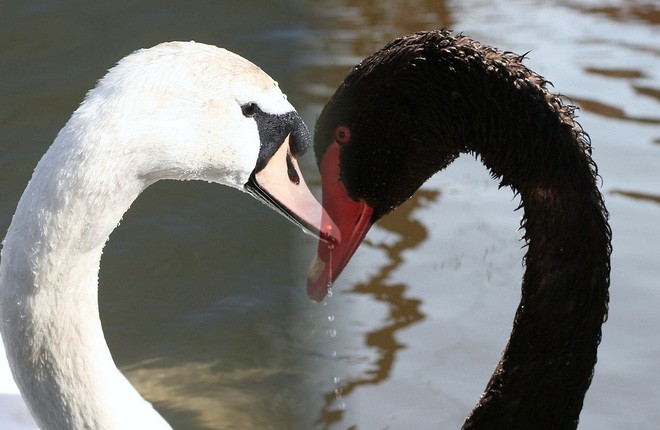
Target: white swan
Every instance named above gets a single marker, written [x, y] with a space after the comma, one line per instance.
[174, 111]
[14, 414]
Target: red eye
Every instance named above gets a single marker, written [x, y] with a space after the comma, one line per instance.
[342, 134]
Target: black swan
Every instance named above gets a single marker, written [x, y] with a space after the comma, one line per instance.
[408, 111]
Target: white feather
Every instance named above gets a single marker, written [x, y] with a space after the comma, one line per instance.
[169, 112]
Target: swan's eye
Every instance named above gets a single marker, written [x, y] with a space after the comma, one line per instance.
[342, 134]
[249, 109]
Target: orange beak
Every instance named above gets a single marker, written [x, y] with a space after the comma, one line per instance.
[281, 185]
[352, 218]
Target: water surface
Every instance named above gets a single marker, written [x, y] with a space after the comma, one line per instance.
[427, 305]
[202, 288]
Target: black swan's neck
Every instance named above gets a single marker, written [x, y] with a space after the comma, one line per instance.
[547, 366]
[528, 138]
[533, 144]
[470, 98]
[418, 103]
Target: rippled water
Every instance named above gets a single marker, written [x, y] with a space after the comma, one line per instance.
[202, 288]
[428, 304]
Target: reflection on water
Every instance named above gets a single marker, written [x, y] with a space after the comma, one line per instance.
[610, 111]
[215, 338]
[613, 111]
[654, 198]
[346, 31]
[189, 393]
[403, 310]
[422, 363]
[646, 11]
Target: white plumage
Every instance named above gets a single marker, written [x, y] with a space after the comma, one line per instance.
[169, 112]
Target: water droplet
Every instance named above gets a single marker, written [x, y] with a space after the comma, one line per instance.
[331, 318]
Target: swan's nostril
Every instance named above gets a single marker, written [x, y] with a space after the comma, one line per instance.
[291, 170]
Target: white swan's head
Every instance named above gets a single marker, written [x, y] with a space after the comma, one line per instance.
[176, 111]
[186, 110]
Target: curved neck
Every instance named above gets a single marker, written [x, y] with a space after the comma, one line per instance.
[49, 294]
[455, 96]
[548, 364]
[536, 147]
[418, 103]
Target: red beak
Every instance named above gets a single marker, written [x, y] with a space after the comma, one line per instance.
[352, 218]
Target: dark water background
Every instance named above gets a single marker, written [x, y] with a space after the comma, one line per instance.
[202, 288]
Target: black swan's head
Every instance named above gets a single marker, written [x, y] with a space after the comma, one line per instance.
[372, 139]
[409, 110]
[380, 121]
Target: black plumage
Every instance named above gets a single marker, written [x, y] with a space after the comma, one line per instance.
[411, 109]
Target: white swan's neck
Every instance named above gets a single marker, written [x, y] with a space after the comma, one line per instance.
[174, 111]
[49, 306]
